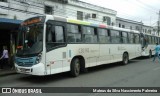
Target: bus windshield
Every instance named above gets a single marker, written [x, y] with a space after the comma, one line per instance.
[30, 40]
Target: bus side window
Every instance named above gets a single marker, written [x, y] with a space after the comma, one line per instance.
[115, 37]
[54, 36]
[104, 35]
[59, 34]
[90, 35]
[124, 37]
[74, 33]
[131, 38]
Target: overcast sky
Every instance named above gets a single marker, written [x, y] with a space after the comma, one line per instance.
[138, 10]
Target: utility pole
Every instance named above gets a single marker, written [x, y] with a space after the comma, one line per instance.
[158, 27]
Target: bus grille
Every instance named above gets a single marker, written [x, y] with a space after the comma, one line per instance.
[26, 62]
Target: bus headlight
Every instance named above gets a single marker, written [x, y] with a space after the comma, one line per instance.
[38, 59]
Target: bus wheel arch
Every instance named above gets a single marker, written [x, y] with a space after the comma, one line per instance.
[125, 58]
[77, 65]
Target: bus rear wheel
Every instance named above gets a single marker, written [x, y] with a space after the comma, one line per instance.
[125, 59]
[75, 67]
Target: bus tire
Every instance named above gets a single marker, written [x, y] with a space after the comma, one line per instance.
[75, 67]
[150, 54]
[125, 59]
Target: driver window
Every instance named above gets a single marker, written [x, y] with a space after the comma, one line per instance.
[54, 36]
[59, 34]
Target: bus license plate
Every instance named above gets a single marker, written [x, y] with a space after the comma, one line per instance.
[22, 70]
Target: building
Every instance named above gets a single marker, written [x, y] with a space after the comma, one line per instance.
[134, 25]
[91, 13]
[128, 24]
[12, 12]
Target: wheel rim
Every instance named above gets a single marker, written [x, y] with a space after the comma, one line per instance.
[125, 58]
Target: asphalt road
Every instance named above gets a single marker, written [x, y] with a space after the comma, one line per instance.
[140, 72]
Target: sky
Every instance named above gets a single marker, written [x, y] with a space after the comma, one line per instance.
[138, 10]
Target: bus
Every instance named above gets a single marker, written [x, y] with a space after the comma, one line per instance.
[148, 42]
[52, 44]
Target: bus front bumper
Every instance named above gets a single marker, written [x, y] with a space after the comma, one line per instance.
[37, 69]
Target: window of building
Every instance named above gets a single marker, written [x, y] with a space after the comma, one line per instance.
[137, 28]
[74, 34]
[145, 30]
[89, 34]
[123, 26]
[108, 19]
[79, 15]
[112, 23]
[131, 27]
[149, 31]
[94, 15]
[119, 24]
[48, 10]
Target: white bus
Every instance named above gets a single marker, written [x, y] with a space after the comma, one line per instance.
[52, 44]
[148, 42]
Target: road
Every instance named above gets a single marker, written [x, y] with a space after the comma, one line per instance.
[140, 72]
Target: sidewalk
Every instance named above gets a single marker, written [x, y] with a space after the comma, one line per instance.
[5, 72]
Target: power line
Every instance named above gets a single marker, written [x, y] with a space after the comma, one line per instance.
[148, 6]
[143, 6]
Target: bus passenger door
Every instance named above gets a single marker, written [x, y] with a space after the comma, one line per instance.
[55, 46]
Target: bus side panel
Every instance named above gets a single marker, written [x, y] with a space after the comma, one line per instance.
[138, 50]
[56, 60]
[104, 56]
[90, 52]
[129, 48]
[115, 52]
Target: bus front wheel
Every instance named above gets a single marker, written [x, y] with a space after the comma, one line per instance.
[75, 67]
[125, 59]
